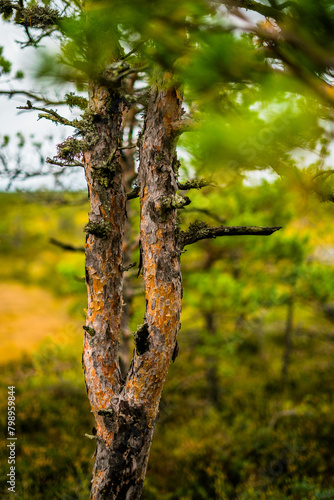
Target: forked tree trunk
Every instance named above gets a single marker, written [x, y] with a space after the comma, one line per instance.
[126, 410]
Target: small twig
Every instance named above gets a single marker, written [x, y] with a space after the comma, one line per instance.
[50, 114]
[134, 49]
[127, 147]
[130, 266]
[194, 184]
[75, 163]
[66, 246]
[90, 436]
[36, 97]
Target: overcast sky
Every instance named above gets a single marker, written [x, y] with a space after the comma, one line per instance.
[13, 120]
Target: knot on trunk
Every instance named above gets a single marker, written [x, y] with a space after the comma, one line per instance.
[99, 229]
[173, 202]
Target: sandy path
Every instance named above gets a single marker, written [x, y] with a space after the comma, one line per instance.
[27, 316]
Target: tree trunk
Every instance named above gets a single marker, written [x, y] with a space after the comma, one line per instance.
[126, 411]
[103, 268]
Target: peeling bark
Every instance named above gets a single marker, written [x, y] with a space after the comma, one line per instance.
[161, 269]
[160, 252]
[104, 275]
[126, 411]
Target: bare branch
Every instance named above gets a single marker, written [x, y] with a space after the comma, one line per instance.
[200, 231]
[50, 114]
[33, 42]
[194, 184]
[36, 97]
[66, 246]
[127, 147]
[75, 163]
[130, 266]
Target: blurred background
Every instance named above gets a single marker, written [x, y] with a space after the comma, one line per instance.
[247, 411]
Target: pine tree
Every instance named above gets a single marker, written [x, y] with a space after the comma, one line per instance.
[141, 64]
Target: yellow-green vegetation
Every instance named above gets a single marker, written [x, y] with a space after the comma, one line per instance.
[233, 423]
[52, 415]
[28, 223]
[28, 315]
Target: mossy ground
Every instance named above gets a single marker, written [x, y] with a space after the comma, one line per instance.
[227, 428]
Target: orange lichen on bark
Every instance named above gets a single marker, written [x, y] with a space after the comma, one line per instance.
[131, 407]
[103, 261]
[161, 258]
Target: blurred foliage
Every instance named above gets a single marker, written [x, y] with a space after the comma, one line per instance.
[52, 416]
[25, 240]
[228, 428]
[254, 103]
[5, 65]
[231, 424]
[256, 87]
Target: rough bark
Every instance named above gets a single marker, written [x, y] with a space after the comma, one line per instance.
[126, 408]
[156, 339]
[160, 253]
[200, 231]
[103, 270]
[126, 411]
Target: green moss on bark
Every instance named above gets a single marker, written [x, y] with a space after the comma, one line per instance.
[89, 330]
[99, 229]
